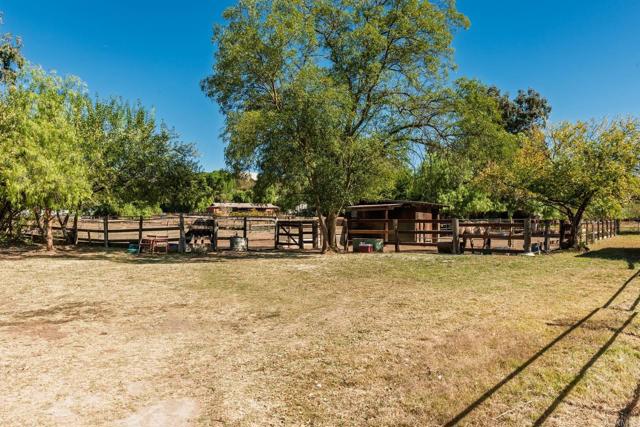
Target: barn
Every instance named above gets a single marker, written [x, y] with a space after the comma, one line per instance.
[225, 209]
[407, 211]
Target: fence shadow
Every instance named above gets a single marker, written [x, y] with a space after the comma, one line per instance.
[119, 256]
[486, 395]
[565, 391]
[630, 255]
[625, 413]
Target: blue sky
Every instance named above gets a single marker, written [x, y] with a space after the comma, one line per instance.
[584, 56]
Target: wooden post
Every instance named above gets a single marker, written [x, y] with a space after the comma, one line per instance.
[314, 231]
[455, 236]
[547, 232]
[276, 236]
[345, 225]
[385, 239]
[527, 235]
[105, 231]
[396, 235]
[140, 225]
[214, 236]
[75, 229]
[245, 228]
[562, 234]
[182, 244]
[435, 226]
[301, 235]
[88, 233]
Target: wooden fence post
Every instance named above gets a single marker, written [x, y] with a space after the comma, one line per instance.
[140, 225]
[562, 234]
[245, 228]
[214, 236]
[547, 232]
[455, 236]
[276, 233]
[75, 229]
[345, 226]
[527, 235]
[88, 235]
[182, 244]
[396, 235]
[599, 225]
[314, 231]
[301, 236]
[105, 231]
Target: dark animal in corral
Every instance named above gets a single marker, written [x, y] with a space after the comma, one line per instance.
[199, 230]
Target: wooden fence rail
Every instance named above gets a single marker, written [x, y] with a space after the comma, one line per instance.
[261, 232]
[458, 236]
[447, 235]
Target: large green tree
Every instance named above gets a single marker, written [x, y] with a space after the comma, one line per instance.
[41, 159]
[574, 168]
[474, 138]
[324, 97]
[11, 62]
[138, 165]
[11, 59]
[527, 111]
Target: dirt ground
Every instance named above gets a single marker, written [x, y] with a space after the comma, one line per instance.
[274, 339]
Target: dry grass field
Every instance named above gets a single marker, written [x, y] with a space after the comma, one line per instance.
[273, 339]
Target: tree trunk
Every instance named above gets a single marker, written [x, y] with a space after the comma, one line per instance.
[39, 221]
[48, 225]
[323, 230]
[63, 226]
[576, 222]
[75, 229]
[328, 230]
[332, 219]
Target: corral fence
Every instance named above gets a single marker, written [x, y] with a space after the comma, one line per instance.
[476, 236]
[186, 231]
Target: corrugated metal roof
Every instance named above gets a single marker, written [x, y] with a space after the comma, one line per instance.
[375, 206]
[244, 205]
[387, 204]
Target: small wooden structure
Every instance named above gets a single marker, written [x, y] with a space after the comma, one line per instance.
[420, 216]
[223, 209]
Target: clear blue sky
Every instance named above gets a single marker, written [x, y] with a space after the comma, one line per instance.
[584, 56]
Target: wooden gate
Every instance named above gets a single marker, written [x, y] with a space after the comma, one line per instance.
[296, 233]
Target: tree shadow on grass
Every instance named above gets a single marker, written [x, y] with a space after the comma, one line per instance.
[486, 395]
[630, 255]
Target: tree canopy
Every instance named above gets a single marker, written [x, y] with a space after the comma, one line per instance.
[575, 168]
[323, 98]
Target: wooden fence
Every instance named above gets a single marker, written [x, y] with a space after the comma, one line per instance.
[482, 235]
[445, 235]
[213, 232]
